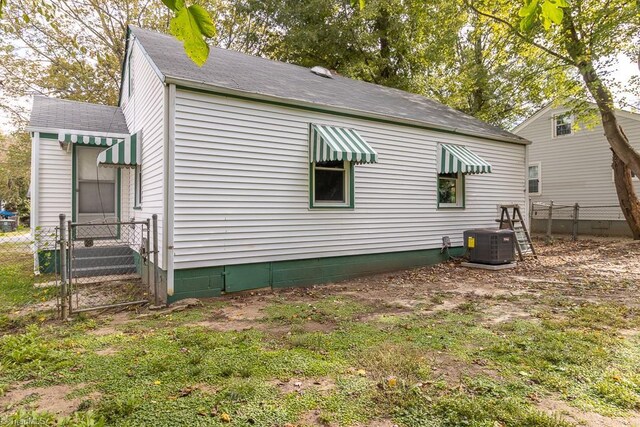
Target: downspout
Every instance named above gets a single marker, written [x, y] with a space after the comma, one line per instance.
[35, 195]
[169, 185]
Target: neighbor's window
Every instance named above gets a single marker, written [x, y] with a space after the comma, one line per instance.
[331, 184]
[450, 190]
[563, 123]
[534, 179]
[138, 187]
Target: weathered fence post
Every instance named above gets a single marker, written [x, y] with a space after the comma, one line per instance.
[64, 308]
[147, 249]
[70, 237]
[156, 286]
[576, 212]
[550, 220]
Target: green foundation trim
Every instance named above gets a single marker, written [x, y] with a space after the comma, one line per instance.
[212, 281]
[197, 283]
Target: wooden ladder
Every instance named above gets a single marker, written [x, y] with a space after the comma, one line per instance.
[515, 222]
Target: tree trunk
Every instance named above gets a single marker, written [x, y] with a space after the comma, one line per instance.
[625, 158]
[382, 27]
[583, 61]
[626, 195]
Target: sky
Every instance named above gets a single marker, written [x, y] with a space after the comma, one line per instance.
[622, 73]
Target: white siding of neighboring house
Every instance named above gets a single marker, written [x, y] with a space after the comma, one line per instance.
[576, 168]
[54, 183]
[144, 111]
[242, 192]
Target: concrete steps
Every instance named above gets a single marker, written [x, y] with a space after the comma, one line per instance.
[103, 261]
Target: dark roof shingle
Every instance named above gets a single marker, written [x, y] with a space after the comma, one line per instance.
[57, 113]
[254, 75]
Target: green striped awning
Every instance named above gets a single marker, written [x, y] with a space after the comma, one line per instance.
[456, 158]
[89, 140]
[125, 154]
[327, 143]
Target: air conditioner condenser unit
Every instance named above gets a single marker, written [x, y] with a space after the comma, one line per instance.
[488, 246]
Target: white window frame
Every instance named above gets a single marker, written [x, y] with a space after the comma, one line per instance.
[137, 187]
[539, 166]
[346, 171]
[554, 128]
[130, 74]
[460, 192]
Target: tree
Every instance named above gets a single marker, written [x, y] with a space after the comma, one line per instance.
[74, 50]
[15, 170]
[583, 34]
[488, 73]
[400, 43]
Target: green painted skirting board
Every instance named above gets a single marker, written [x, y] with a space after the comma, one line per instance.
[212, 281]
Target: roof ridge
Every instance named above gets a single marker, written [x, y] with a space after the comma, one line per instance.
[239, 71]
[76, 101]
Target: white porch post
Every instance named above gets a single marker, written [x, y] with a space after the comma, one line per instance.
[35, 199]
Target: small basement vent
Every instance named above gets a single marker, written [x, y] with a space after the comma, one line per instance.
[322, 72]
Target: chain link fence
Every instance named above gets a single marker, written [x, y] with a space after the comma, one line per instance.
[29, 267]
[108, 265]
[79, 267]
[575, 219]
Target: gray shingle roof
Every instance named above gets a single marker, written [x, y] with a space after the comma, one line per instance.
[72, 115]
[254, 75]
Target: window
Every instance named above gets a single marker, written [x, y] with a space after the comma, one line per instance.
[138, 187]
[562, 124]
[96, 185]
[332, 184]
[130, 75]
[451, 190]
[534, 179]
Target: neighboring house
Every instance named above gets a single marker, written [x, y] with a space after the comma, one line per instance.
[570, 163]
[268, 174]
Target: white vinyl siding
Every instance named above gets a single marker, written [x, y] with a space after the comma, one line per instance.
[242, 186]
[54, 183]
[577, 169]
[144, 112]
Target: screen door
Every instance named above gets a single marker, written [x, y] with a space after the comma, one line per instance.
[96, 194]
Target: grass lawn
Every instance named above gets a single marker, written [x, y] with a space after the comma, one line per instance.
[553, 343]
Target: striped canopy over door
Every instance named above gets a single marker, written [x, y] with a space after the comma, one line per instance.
[456, 158]
[88, 140]
[125, 154]
[328, 143]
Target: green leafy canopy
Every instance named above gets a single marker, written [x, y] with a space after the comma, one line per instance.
[192, 25]
[548, 11]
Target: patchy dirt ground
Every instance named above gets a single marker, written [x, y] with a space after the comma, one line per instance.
[582, 271]
[328, 355]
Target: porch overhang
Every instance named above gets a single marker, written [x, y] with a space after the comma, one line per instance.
[90, 139]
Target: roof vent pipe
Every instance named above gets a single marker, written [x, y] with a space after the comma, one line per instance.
[322, 72]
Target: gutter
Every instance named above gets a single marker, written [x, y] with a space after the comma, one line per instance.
[365, 115]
